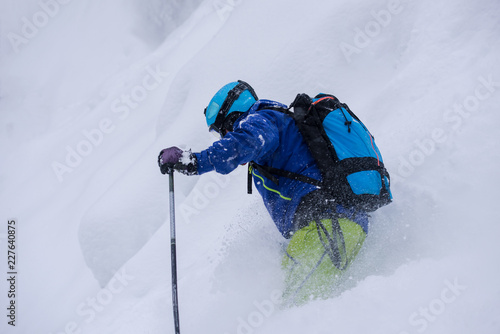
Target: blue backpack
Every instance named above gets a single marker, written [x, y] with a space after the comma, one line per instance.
[352, 169]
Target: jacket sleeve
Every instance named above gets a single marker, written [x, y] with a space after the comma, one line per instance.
[254, 138]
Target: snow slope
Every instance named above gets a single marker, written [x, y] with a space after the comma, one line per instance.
[91, 92]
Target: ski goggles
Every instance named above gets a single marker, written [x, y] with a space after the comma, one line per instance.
[214, 128]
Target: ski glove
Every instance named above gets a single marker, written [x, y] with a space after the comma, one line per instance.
[173, 158]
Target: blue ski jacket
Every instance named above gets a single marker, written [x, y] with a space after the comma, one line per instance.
[269, 138]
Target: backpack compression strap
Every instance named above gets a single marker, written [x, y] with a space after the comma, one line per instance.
[271, 173]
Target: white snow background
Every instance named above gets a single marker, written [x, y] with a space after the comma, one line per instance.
[91, 91]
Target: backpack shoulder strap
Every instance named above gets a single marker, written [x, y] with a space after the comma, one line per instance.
[300, 105]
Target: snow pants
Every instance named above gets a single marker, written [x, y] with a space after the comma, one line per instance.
[316, 258]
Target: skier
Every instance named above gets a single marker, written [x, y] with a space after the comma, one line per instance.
[324, 238]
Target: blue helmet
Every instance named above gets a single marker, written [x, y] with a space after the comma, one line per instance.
[233, 97]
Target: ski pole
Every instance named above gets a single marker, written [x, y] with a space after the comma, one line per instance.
[173, 257]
